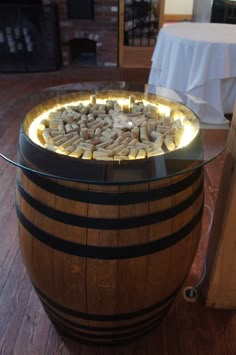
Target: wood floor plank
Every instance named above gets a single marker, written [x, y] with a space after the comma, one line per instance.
[57, 344]
[13, 301]
[9, 248]
[34, 329]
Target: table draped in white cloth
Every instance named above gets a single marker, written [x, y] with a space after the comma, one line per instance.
[198, 59]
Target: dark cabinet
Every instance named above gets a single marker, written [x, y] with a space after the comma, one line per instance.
[29, 38]
[223, 11]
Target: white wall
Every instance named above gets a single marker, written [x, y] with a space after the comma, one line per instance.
[179, 7]
[202, 10]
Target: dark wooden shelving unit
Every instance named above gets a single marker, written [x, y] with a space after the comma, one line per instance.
[29, 38]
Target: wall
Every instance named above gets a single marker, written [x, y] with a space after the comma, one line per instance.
[179, 6]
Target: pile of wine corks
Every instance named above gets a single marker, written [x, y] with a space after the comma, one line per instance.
[110, 132]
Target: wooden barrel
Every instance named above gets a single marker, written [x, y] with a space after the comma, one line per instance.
[107, 261]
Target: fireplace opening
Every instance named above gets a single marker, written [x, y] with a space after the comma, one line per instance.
[83, 52]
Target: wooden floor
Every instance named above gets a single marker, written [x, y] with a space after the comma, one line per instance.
[189, 329]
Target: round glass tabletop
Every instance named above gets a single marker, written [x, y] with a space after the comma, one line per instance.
[125, 133]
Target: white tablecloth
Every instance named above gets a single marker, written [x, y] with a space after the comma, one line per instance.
[198, 59]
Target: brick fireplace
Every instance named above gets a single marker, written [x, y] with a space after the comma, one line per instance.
[95, 39]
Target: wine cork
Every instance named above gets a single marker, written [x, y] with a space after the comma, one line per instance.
[87, 155]
[114, 145]
[54, 123]
[99, 154]
[51, 147]
[75, 127]
[108, 152]
[104, 144]
[120, 157]
[119, 148]
[133, 153]
[61, 127]
[46, 135]
[135, 133]
[123, 152]
[169, 143]
[131, 102]
[133, 142]
[84, 110]
[93, 99]
[154, 153]
[117, 107]
[43, 124]
[57, 138]
[141, 154]
[68, 128]
[143, 132]
[68, 150]
[54, 115]
[105, 158]
[68, 142]
[158, 139]
[151, 126]
[55, 133]
[84, 132]
[77, 153]
[77, 142]
[98, 132]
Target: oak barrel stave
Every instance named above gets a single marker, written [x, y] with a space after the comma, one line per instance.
[133, 269]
